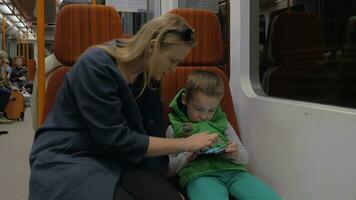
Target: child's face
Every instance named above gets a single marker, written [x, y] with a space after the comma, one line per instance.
[201, 107]
[18, 62]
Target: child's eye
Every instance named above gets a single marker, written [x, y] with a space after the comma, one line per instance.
[211, 111]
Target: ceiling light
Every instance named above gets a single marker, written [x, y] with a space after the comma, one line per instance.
[5, 9]
[20, 25]
[14, 18]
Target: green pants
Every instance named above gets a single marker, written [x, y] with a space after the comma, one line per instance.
[238, 184]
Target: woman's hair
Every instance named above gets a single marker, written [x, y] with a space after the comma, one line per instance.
[165, 30]
[3, 55]
[205, 82]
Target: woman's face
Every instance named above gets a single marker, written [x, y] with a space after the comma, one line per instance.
[168, 58]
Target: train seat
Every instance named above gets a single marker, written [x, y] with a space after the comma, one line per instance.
[209, 49]
[174, 82]
[295, 46]
[77, 28]
[31, 67]
[295, 38]
[349, 51]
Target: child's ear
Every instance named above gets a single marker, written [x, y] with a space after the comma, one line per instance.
[184, 99]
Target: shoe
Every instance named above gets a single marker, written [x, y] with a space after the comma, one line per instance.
[4, 132]
[3, 120]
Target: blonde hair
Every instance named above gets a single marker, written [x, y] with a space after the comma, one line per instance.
[3, 55]
[206, 82]
[165, 30]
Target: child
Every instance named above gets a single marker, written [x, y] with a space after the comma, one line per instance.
[19, 74]
[210, 175]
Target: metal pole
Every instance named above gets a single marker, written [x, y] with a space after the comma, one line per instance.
[3, 33]
[40, 58]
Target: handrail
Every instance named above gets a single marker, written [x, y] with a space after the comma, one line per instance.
[23, 45]
[18, 48]
[40, 59]
[288, 8]
[3, 33]
[27, 53]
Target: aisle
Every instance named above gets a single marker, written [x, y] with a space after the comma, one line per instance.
[14, 166]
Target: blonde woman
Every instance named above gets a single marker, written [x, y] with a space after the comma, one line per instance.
[93, 141]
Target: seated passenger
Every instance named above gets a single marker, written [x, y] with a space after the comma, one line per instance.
[5, 87]
[19, 74]
[217, 172]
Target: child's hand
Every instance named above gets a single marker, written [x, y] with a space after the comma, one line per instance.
[231, 151]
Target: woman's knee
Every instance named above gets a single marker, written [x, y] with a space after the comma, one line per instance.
[148, 185]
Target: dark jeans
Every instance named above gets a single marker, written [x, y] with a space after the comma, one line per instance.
[139, 184]
[4, 98]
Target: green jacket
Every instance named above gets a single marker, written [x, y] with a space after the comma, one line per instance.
[202, 165]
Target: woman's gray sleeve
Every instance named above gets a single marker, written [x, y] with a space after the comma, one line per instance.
[242, 157]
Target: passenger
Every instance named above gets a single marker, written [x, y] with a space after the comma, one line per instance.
[214, 173]
[5, 87]
[19, 73]
[93, 142]
[8, 68]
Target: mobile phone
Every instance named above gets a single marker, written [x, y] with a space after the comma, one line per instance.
[215, 150]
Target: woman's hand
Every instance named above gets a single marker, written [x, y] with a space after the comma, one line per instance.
[198, 141]
[231, 151]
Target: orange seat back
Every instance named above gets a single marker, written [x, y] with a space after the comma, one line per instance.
[78, 27]
[209, 49]
[295, 38]
[31, 67]
[174, 82]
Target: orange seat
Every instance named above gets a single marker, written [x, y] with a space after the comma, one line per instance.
[79, 27]
[296, 38]
[173, 82]
[209, 49]
[206, 55]
[31, 67]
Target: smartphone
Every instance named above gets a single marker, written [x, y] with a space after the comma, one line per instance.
[215, 150]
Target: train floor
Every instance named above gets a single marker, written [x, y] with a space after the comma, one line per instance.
[14, 152]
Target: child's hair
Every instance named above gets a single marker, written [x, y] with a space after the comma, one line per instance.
[17, 58]
[206, 82]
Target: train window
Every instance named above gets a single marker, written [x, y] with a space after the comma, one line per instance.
[212, 5]
[308, 50]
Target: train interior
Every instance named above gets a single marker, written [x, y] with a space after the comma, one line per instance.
[287, 68]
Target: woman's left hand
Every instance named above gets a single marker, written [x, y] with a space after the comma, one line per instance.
[231, 151]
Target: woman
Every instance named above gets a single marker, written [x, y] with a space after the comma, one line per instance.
[93, 141]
